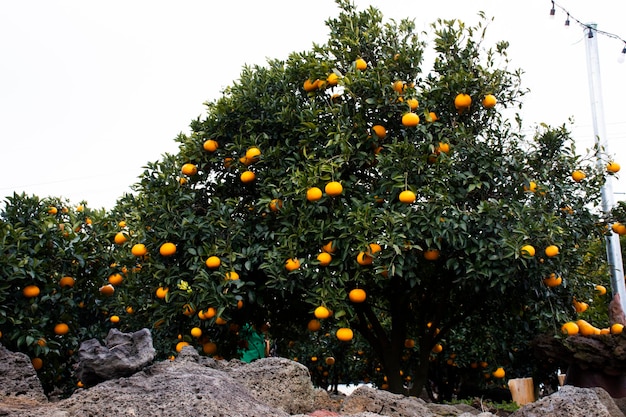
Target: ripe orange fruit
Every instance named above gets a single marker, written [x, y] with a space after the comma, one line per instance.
[253, 153]
[330, 361]
[167, 249]
[276, 204]
[530, 187]
[432, 117]
[324, 258]
[431, 254]
[407, 197]
[364, 259]
[357, 295]
[61, 329]
[213, 262]
[569, 328]
[552, 280]
[333, 188]
[311, 85]
[313, 194]
[67, 282]
[220, 321]
[332, 79]
[489, 102]
[619, 228]
[410, 119]
[585, 328]
[37, 363]
[373, 248]
[344, 334]
[31, 291]
[210, 145]
[528, 250]
[107, 290]
[181, 345]
[130, 310]
[321, 312]
[438, 348]
[120, 238]
[209, 348]
[462, 102]
[413, 104]
[232, 276]
[292, 264]
[189, 170]
[578, 175]
[601, 289]
[161, 292]
[552, 251]
[196, 332]
[247, 177]
[398, 86]
[188, 310]
[580, 306]
[139, 249]
[379, 131]
[443, 147]
[613, 167]
[210, 313]
[329, 247]
[52, 210]
[314, 325]
[115, 279]
[617, 328]
[499, 373]
[114, 319]
[360, 64]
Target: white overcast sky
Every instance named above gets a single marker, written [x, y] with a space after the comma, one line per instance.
[90, 91]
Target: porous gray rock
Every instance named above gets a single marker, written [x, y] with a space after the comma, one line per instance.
[278, 382]
[572, 401]
[180, 388]
[367, 399]
[122, 355]
[19, 378]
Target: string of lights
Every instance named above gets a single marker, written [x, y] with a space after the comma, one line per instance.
[589, 28]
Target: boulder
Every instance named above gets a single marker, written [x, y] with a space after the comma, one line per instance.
[278, 382]
[572, 401]
[367, 399]
[122, 355]
[187, 386]
[19, 378]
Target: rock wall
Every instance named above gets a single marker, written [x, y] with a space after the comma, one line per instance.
[198, 386]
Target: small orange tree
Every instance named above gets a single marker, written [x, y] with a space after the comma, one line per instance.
[53, 260]
[416, 186]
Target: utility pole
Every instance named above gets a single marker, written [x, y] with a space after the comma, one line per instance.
[613, 250]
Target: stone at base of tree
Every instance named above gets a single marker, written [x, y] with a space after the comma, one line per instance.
[122, 355]
[596, 360]
[18, 377]
[572, 401]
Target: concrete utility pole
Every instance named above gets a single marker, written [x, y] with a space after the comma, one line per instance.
[613, 250]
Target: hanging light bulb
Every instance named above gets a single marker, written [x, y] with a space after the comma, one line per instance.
[552, 11]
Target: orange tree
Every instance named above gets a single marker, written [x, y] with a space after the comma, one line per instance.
[53, 260]
[417, 188]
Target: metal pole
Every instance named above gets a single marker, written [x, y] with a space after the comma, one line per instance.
[613, 250]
